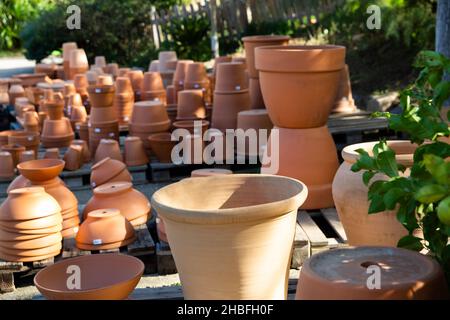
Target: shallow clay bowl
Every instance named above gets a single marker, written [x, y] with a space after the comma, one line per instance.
[106, 246]
[41, 170]
[105, 277]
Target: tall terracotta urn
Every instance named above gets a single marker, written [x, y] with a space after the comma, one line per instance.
[352, 204]
[233, 233]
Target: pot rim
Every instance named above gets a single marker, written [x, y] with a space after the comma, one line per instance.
[265, 38]
[242, 214]
[350, 155]
[110, 188]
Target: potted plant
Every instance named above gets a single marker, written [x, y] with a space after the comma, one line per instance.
[422, 198]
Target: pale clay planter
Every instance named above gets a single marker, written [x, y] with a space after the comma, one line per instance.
[232, 233]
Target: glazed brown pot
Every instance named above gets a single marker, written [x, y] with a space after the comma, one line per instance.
[101, 96]
[109, 170]
[134, 152]
[256, 98]
[231, 78]
[289, 74]
[226, 108]
[192, 126]
[107, 276]
[73, 158]
[108, 148]
[29, 140]
[252, 42]
[104, 226]
[381, 229]
[131, 203]
[190, 105]
[162, 145]
[308, 155]
[257, 213]
[344, 274]
[6, 165]
[14, 150]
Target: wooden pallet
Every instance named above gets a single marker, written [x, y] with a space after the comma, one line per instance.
[316, 231]
[10, 270]
[143, 248]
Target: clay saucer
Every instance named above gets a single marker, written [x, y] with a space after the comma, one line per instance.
[44, 231]
[106, 276]
[39, 223]
[41, 170]
[106, 246]
[33, 252]
[38, 243]
[8, 257]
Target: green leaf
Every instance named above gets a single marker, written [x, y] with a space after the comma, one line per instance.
[410, 242]
[438, 168]
[376, 204]
[367, 176]
[387, 164]
[441, 93]
[431, 193]
[392, 197]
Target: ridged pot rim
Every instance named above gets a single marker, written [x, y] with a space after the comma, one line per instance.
[243, 214]
[265, 38]
[350, 155]
[300, 58]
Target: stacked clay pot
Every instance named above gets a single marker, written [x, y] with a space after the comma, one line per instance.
[212, 75]
[103, 123]
[69, 90]
[108, 148]
[361, 228]
[179, 76]
[231, 95]
[123, 99]
[104, 229]
[81, 84]
[44, 173]
[51, 153]
[345, 274]
[15, 91]
[68, 47]
[137, 78]
[109, 170]
[196, 78]
[134, 152]
[31, 122]
[27, 155]
[131, 203]
[30, 225]
[167, 63]
[6, 166]
[15, 150]
[299, 85]
[112, 69]
[250, 44]
[191, 105]
[78, 63]
[148, 117]
[153, 88]
[77, 110]
[29, 140]
[57, 133]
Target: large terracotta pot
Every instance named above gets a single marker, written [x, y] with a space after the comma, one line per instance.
[105, 277]
[162, 145]
[78, 62]
[231, 78]
[149, 117]
[252, 42]
[308, 155]
[131, 203]
[344, 274]
[136, 78]
[152, 82]
[109, 170]
[190, 105]
[256, 214]
[361, 228]
[57, 133]
[299, 84]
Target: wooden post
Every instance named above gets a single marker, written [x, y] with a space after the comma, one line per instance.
[443, 32]
[155, 32]
[214, 37]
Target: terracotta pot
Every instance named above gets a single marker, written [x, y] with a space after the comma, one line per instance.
[154, 66]
[12, 236]
[123, 85]
[123, 72]
[180, 73]
[82, 129]
[41, 170]
[344, 100]
[104, 226]
[256, 99]
[254, 119]
[226, 108]
[162, 145]
[231, 78]
[92, 77]
[86, 155]
[219, 60]
[309, 74]
[100, 61]
[97, 132]
[81, 84]
[32, 253]
[315, 165]
[165, 58]
[6, 165]
[69, 89]
[34, 95]
[361, 228]
[112, 69]
[203, 216]
[134, 152]
[242, 60]
[108, 148]
[107, 276]
[55, 109]
[51, 153]
[342, 274]
[171, 95]
[210, 172]
[103, 115]
[105, 80]
[137, 79]
[73, 158]
[193, 126]
[101, 96]
[191, 105]
[78, 114]
[29, 140]
[196, 72]
[38, 243]
[172, 111]
[57, 133]
[154, 96]
[131, 203]
[50, 221]
[31, 122]
[14, 150]
[78, 62]
[67, 50]
[26, 156]
[109, 170]
[152, 82]
[15, 91]
[4, 136]
[9, 257]
[149, 117]
[252, 42]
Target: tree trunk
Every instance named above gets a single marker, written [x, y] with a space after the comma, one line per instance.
[443, 27]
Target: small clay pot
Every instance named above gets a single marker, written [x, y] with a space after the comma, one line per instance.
[81, 84]
[99, 131]
[105, 80]
[149, 117]
[219, 60]
[112, 69]
[82, 129]
[256, 119]
[103, 115]
[165, 58]
[107, 276]
[152, 82]
[101, 96]
[193, 126]
[78, 62]
[30, 140]
[180, 73]
[31, 122]
[159, 95]
[226, 108]
[85, 149]
[342, 274]
[67, 49]
[109, 170]
[69, 89]
[55, 108]
[137, 79]
[14, 150]
[27, 156]
[131, 203]
[123, 72]
[231, 78]
[78, 114]
[57, 133]
[100, 61]
[191, 105]
[123, 85]
[73, 158]
[51, 153]
[154, 66]
[15, 91]
[195, 73]
[252, 42]
[92, 77]
[4, 136]
[134, 152]
[6, 165]
[210, 172]
[108, 148]
[256, 98]
[162, 145]
[171, 95]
